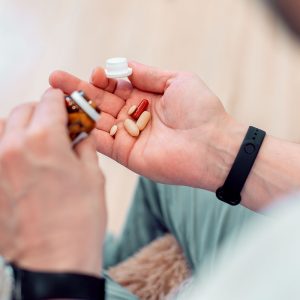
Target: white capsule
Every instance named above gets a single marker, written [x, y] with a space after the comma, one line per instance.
[132, 109]
[131, 127]
[143, 120]
[113, 130]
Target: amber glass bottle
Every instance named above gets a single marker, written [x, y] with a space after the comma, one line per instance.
[81, 119]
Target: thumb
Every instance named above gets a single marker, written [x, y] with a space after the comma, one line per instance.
[149, 79]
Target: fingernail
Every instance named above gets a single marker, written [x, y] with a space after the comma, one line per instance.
[92, 75]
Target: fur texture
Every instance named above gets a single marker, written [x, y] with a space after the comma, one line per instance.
[155, 271]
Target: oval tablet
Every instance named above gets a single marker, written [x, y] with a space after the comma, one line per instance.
[143, 120]
[132, 109]
[113, 130]
[131, 127]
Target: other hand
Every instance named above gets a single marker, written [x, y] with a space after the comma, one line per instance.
[52, 209]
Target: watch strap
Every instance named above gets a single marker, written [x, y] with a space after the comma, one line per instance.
[231, 190]
[33, 285]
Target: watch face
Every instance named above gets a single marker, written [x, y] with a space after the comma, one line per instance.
[6, 280]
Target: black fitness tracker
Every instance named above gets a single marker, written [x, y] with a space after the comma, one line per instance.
[32, 285]
[230, 192]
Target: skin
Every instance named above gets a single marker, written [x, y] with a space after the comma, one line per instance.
[175, 102]
[37, 211]
[190, 140]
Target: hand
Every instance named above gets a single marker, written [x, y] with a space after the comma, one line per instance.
[52, 209]
[180, 144]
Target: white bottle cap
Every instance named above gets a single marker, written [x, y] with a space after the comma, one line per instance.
[117, 67]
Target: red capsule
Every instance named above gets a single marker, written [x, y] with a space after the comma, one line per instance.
[140, 109]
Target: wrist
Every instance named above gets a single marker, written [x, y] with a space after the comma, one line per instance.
[56, 246]
[74, 258]
[223, 144]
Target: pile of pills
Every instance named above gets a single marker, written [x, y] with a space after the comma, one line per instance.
[117, 67]
[141, 118]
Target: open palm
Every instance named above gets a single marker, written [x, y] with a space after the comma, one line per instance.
[184, 116]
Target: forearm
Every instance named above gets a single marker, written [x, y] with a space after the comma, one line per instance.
[275, 172]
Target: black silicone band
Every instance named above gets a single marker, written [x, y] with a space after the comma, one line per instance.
[230, 192]
[30, 285]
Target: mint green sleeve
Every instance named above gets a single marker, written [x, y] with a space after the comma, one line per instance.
[200, 223]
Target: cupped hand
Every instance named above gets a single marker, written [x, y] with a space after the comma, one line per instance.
[186, 118]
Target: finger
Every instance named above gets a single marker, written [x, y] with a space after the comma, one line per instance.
[124, 89]
[20, 117]
[86, 151]
[105, 122]
[50, 111]
[106, 101]
[104, 142]
[149, 79]
[120, 88]
[117, 147]
[99, 79]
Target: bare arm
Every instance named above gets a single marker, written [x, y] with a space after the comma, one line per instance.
[191, 140]
[275, 172]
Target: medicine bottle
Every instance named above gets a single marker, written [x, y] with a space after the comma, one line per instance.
[82, 116]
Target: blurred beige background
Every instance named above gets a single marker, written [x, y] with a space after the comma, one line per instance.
[239, 47]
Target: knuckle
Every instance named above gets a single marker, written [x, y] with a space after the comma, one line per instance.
[25, 105]
[38, 136]
[38, 140]
[12, 150]
[22, 107]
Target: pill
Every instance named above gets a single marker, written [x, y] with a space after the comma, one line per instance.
[131, 127]
[132, 109]
[143, 120]
[140, 109]
[113, 130]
